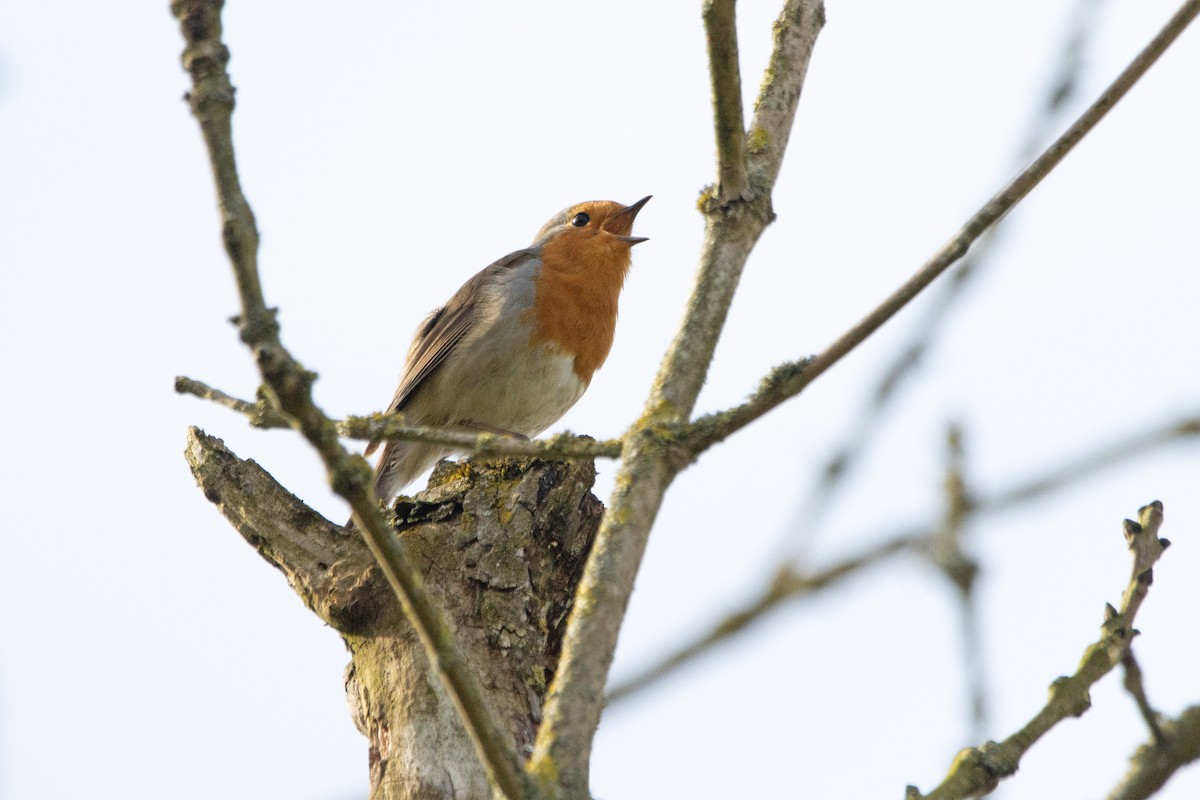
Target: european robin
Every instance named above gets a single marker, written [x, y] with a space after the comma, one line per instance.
[518, 344]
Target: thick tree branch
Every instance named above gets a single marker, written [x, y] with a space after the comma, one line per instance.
[795, 34]
[788, 380]
[501, 544]
[793, 581]
[650, 459]
[720, 26]
[212, 98]
[978, 770]
[324, 564]
[392, 426]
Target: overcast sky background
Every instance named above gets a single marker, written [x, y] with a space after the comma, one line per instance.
[391, 150]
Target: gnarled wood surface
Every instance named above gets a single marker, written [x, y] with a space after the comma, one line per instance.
[501, 545]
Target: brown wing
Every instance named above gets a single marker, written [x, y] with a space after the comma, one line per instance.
[443, 329]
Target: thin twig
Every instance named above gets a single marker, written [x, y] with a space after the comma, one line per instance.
[792, 581]
[720, 26]
[261, 413]
[946, 550]
[1135, 685]
[787, 585]
[205, 57]
[377, 427]
[788, 380]
[863, 430]
[1089, 464]
[651, 456]
[978, 770]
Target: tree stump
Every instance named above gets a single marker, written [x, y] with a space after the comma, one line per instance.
[501, 545]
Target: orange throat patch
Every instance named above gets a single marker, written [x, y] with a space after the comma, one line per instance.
[576, 294]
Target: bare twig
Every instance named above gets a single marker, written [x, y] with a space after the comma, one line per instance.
[978, 770]
[1089, 464]
[862, 431]
[787, 584]
[946, 550]
[788, 380]
[263, 414]
[1064, 83]
[721, 28]
[1137, 688]
[651, 456]
[205, 57]
[793, 582]
[1154, 763]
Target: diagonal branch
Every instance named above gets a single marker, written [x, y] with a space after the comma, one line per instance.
[788, 380]
[789, 583]
[324, 564]
[720, 26]
[871, 416]
[792, 582]
[795, 34]
[211, 99]
[978, 770]
[1136, 687]
[261, 413]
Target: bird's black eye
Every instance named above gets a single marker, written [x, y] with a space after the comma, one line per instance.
[580, 219]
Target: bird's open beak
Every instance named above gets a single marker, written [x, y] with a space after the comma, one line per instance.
[621, 223]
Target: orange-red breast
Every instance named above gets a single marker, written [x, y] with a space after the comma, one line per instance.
[517, 345]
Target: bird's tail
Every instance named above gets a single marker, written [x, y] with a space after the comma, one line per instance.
[400, 464]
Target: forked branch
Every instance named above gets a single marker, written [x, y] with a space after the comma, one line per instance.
[788, 380]
[978, 770]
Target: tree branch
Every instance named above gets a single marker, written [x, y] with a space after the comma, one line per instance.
[978, 770]
[1137, 689]
[322, 562]
[947, 553]
[792, 581]
[261, 413]
[720, 26]
[788, 380]
[1154, 763]
[788, 583]
[651, 456]
[212, 98]
[392, 426]
[1063, 86]
[501, 545]
[795, 34]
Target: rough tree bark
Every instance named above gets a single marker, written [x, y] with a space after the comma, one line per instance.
[501, 545]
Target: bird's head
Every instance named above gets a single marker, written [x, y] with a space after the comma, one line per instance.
[594, 235]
